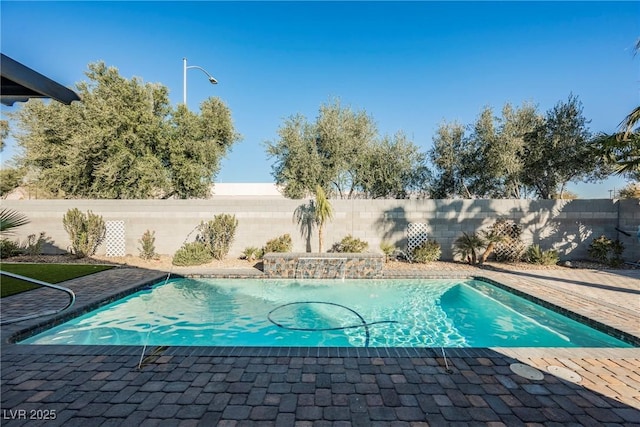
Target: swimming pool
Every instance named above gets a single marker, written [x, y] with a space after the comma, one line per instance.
[325, 313]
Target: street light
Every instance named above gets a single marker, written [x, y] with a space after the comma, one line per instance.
[184, 78]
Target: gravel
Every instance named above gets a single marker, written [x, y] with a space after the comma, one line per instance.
[163, 263]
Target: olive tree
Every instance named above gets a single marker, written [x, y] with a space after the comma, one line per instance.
[342, 153]
[559, 150]
[124, 140]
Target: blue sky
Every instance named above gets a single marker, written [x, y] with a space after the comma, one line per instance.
[410, 65]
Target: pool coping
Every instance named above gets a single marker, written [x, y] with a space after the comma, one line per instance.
[595, 324]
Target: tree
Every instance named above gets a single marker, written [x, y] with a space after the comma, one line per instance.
[630, 191]
[325, 153]
[393, 168]
[491, 164]
[297, 167]
[630, 123]
[207, 137]
[514, 154]
[342, 152]
[4, 132]
[343, 137]
[622, 149]
[504, 161]
[123, 140]
[449, 149]
[559, 151]
[479, 165]
[323, 213]
[10, 178]
[516, 125]
[305, 216]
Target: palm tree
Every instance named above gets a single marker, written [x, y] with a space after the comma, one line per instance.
[623, 148]
[633, 119]
[305, 216]
[323, 213]
[10, 219]
[630, 122]
[467, 245]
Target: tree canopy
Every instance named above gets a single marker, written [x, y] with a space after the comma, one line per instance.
[342, 153]
[124, 140]
[622, 149]
[4, 132]
[449, 149]
[516, 154]
[559, 151]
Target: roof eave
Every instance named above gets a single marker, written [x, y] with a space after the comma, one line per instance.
[19, 83]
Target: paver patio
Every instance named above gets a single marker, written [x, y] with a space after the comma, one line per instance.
[208, 386]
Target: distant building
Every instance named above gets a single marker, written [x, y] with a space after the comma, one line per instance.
[265, 189]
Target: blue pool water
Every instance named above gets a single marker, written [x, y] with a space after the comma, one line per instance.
[325, 313]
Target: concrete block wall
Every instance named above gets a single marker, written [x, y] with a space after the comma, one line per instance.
[629, 223]
[568, 226]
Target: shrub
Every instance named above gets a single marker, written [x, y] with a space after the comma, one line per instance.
[148, 245]
[350, 244]
[606, 251]
[279, 244]
[86, 232]
[467, 246]
[428, 251]
[33, 245]
[9, 248]
[250, 253]
[193, 253]
[490, 239]
[218, 234]
[387, 249]
[535, 255]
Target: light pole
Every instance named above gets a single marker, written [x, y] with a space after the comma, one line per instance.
[184, 78]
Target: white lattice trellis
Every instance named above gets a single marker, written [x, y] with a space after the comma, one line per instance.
[416, 235]
[114, 238]
[511, 248]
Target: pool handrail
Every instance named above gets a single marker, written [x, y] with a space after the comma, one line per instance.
[72, 297]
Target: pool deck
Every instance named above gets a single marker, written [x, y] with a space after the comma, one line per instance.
[234, 386]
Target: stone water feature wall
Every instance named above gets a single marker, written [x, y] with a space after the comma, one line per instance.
[323, 265]
[566, 225]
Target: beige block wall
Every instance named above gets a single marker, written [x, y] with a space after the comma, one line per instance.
[629, 223]
[568, 226]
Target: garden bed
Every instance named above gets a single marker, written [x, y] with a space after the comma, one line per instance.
[163, 263]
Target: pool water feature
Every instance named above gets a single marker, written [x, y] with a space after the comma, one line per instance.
[325, 313]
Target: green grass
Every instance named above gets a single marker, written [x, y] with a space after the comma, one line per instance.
[50, 273]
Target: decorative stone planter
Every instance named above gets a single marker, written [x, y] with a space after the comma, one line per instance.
[303, 265]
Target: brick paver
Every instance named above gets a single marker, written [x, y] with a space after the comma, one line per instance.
[183, 386]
